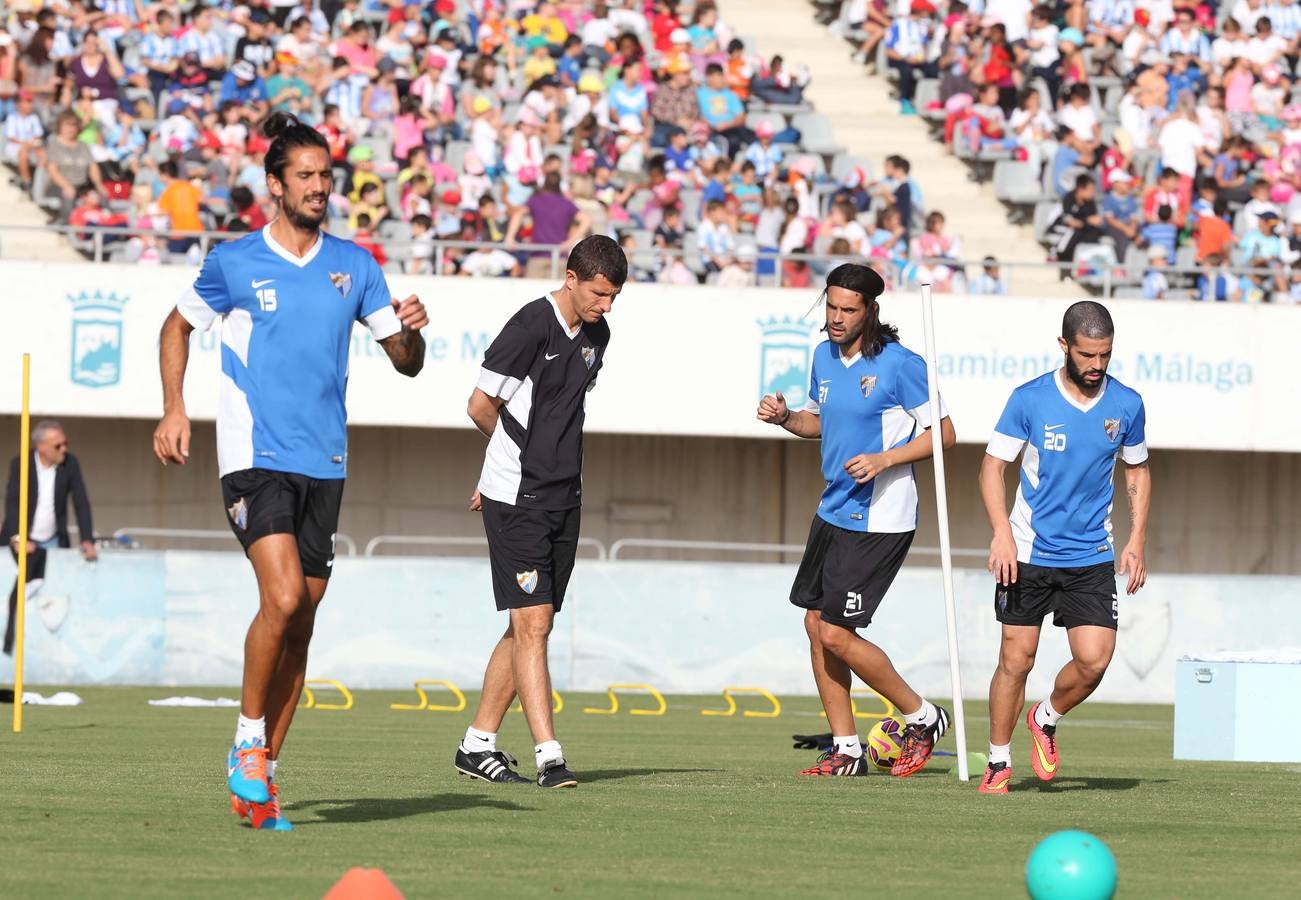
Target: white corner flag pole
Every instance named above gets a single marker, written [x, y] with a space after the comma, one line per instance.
[942, 521]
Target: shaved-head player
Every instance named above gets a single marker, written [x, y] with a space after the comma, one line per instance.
[870, 405]
[1054, 553]
[287, 297]
[531, 401]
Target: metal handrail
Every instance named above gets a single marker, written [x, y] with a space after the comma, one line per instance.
[743, 547]
[1105, 278]
[199, 534]
[459, 541]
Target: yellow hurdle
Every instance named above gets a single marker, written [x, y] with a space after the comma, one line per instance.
[614, 701]
[888, 713]
[424, 703]
[326, 682]
[728, 695]
[557, 703]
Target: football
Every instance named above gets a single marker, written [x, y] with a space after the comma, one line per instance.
[883, 743]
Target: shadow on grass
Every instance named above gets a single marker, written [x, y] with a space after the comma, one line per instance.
[616, 774]
[379, 809]
[1060, 785]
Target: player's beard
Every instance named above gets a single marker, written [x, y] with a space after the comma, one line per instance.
[1077, 377]
[300, 217]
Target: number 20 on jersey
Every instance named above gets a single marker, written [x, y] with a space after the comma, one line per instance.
[1054, 439]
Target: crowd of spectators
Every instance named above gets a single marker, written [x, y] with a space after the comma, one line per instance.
[467, 135]
[1164, 133]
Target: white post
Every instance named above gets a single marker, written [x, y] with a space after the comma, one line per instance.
[942, 521]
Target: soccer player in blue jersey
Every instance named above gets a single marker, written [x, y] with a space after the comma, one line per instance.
[869, 404]
[1054, 553]
[287, 297]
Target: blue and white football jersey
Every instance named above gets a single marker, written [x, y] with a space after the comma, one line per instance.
[285, 337]
[868, 405]
[1062, 515]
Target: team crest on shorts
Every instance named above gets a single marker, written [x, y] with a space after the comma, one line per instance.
[589, 356]
[1112, 428]
[527, 581]
[238, 512]
[867, 384]
[342, 281]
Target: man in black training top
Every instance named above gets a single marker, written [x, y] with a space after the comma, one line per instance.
[530, 401]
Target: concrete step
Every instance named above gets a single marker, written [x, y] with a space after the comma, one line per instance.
[867, 123]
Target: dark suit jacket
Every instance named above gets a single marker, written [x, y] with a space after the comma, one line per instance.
[67, 482]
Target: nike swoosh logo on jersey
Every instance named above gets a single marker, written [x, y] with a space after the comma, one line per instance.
[825, 381]
[258, 284]
[1053, 427]
[550, 356]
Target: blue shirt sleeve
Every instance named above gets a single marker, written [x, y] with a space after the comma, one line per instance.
[1133, 449]
[375, 302]
[812, 404]
[911, 390]
[209, 296]
[1012, 430]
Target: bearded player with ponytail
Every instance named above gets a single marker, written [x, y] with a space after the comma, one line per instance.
[287, 297]
[869, 405]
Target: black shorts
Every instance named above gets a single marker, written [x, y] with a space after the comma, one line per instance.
[1079, 596]
[260, 502]
[845, 574]
[532, 553]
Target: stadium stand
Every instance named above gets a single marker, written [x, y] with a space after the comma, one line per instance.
[470, 137]
[1153, 145]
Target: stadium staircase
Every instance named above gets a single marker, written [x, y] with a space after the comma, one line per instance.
[30, 241]
[867, 122]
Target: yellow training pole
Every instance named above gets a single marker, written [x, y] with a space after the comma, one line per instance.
[24, 467]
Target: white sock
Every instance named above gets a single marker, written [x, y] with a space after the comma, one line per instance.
[849, 746]
[271, 770]
[477, 741]
[251, 730]
[1045, 715]
[548, 752]
[926, 714]
[1000, 753]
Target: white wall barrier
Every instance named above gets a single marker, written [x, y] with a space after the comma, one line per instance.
[682, 360]
[178, 618]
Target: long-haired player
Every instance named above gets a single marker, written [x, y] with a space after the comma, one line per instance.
[868, 403]
[287, 297]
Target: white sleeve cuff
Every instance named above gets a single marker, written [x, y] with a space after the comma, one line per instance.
[1004, 446]
[1135, 454]
[383, 323]
[813, 406]
[922, 414]
[495, 385]
[195, 310]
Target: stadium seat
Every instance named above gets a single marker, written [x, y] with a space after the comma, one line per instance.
[754, 119]
[1045, 213]
[454, 153]
[816, 134]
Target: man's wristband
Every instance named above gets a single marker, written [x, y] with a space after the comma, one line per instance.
[783, 422]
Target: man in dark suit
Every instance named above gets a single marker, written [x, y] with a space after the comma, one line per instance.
[54, 476]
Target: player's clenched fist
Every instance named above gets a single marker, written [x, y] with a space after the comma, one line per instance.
[773, 409]
[172, 438]
[411, 313]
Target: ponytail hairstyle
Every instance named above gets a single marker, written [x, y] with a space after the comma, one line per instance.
[287, 133]
[865, 282]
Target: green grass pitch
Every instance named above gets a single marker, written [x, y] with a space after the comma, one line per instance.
[119, 799]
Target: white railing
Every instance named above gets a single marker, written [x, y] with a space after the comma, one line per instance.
[342, 541]
[617, 548]
[458, 541]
